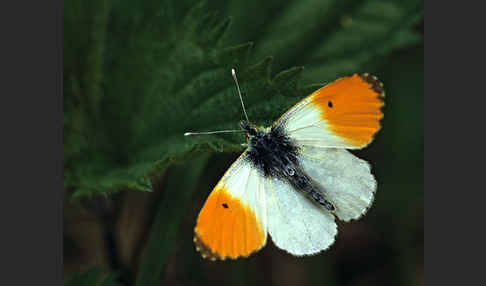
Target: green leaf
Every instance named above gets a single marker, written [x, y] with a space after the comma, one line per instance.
[139, 74]
[93, 277]
[159, 83]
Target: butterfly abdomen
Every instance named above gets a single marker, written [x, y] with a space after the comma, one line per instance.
[300, 181]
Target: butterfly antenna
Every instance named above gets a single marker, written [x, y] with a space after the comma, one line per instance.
[239, 93]
[224, 131]
[211, 132]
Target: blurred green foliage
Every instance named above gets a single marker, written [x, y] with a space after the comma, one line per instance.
[93, 277]
[138, 74]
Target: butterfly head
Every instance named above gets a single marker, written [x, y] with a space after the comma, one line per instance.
[255, 134]
[249, 129]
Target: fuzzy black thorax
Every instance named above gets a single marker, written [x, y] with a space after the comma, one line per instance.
[274, 154]
[271, 151]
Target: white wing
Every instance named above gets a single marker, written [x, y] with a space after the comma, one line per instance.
[296, 224]
[344, 179]
[233, 220]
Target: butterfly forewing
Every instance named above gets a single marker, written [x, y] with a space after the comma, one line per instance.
[343, 114]
[233, 220]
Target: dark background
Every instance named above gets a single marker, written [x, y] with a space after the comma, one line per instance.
[132, 237]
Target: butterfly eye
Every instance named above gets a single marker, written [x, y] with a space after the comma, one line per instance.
[289, 170]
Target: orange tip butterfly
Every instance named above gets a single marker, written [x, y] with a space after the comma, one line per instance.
[295, 176]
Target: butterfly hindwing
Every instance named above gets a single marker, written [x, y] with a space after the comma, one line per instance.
[295, 223]
[344, 179]
[233, 220]
[343, 114]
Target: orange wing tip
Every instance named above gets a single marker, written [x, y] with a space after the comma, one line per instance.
[227, 228]
[351, 106]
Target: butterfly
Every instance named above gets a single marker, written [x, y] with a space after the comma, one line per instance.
[296, 176]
